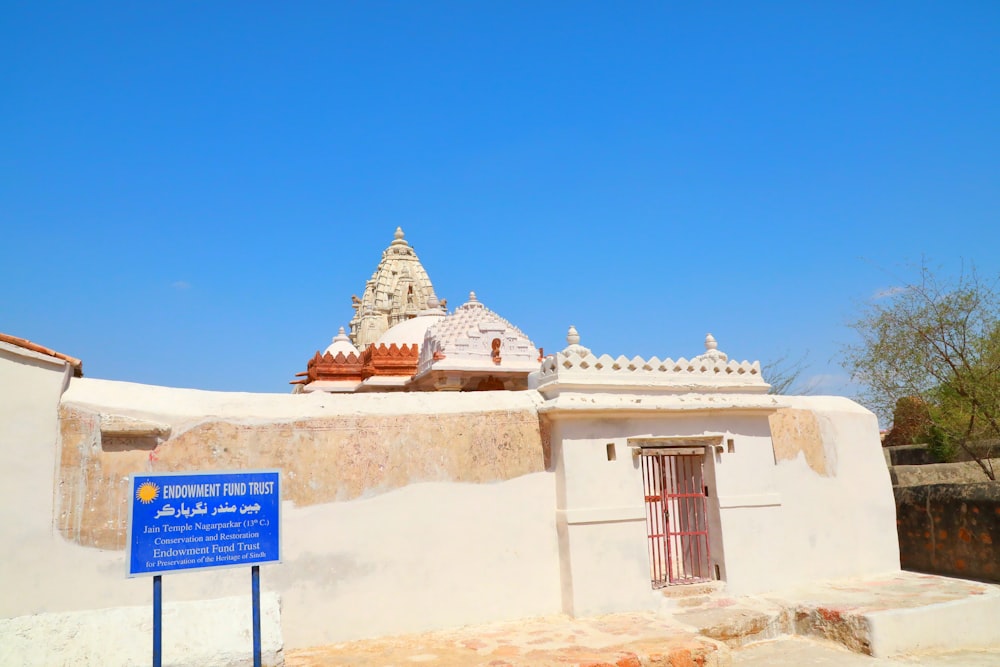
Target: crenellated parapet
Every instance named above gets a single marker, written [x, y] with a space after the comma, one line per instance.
[710, 372]
[330, 367]
[389, 360]
[338, 368]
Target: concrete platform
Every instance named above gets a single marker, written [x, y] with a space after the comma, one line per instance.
[898, 619]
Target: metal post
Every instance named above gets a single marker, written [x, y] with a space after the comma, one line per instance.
[255, 585]
[157, 621]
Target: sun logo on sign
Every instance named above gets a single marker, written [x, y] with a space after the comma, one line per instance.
[147, 493]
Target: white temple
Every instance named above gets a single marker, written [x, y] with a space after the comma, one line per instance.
[403, 339]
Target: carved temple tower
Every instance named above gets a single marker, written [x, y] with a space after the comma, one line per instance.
[398, 290]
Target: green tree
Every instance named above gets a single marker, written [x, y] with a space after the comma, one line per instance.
[937, 340]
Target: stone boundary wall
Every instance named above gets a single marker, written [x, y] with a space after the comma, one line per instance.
[908, 455]
[960, 472]
[950, 529]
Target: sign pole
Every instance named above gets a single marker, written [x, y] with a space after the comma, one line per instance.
[255, 586]
[157, 621]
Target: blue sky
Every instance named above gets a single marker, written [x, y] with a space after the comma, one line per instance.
[190, 192]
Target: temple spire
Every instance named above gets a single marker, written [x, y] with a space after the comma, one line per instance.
[398, 290]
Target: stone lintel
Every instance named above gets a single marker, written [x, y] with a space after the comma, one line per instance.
[123, 425]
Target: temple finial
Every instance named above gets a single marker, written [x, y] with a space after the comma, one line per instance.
[472, 297]
[573, 340]
[712, 350]
[572, 337]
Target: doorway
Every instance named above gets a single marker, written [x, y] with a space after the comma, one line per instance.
[673, 480]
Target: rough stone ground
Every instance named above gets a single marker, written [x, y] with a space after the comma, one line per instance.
[704, 630]
[802, 652]
[619, 640]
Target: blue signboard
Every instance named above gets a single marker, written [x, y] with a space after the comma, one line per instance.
[193, 521]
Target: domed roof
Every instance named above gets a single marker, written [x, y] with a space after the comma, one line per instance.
[341, 343]
[476, 337]
[412, 331]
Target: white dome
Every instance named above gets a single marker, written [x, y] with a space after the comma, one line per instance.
[341, 343]
[410, 332]
[466, 339]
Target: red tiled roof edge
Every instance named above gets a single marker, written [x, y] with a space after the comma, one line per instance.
[76, 364]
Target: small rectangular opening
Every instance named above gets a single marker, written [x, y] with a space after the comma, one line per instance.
[730, 446]
[612, 454]
[718, 573]
[125, 443]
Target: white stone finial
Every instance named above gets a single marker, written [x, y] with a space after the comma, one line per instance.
[398, 237]
[574, 347]
[472, 297]
[432, 301]
[712, 350]
[572, 337]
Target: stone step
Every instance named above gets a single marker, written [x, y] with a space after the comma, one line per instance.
[687, 596]
[902, 613]
[738, 625]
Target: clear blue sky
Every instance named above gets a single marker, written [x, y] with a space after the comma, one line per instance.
[190, 192]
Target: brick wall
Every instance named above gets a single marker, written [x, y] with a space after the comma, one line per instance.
[950, 529]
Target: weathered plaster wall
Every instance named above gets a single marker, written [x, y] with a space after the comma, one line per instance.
[841, 523]
[795, 432]
[451, 511]
[329, 448]
[950, 529]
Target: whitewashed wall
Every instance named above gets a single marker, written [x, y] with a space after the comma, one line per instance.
[439, 554]
[30, 386]
[424, 556]
[780, 522]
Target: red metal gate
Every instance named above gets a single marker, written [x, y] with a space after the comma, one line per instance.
[676, 516]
